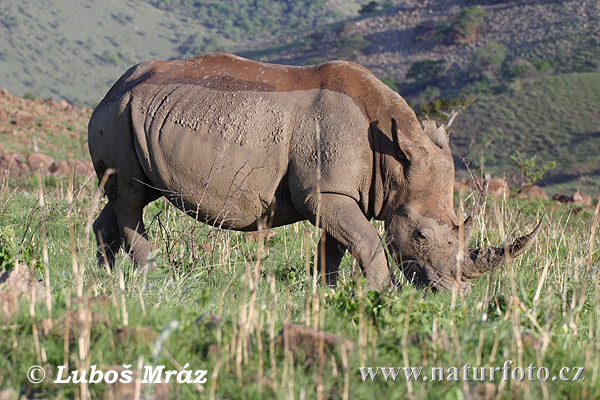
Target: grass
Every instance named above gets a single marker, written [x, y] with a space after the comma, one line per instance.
[541, 309]
[555, 119]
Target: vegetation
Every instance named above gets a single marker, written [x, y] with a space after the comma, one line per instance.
[351, 44]
[529, 169]
[464, 27]
[487, 60]
[250, 19]
[221, 298]
[555, 119]
[425, 71]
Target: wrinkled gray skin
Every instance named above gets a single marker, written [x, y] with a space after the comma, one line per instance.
[234, 143]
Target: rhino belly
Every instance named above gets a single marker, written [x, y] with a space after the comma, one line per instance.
[219, 156]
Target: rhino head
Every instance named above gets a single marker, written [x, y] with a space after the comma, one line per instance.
[425, 237]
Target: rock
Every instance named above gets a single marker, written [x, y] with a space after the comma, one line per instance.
[127, 391]
[532, 192]
[209, 320]
[497, 187]
[304, 341]
[82, 168]
[39, 162]
[64, 105]
[14, 163]
[77, 321]
[562, 198]
[581, 198]
[21, 116]
[9, 306]
[135, 335]
[8, 394]
[20, 281]
[59, 168]
[462, 186]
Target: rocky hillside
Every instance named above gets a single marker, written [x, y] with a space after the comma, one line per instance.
[533, 67]
[42, 135]
[563, 34]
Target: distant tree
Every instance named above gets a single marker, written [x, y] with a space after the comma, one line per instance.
[391, 82]
[369, 7]
[444, 110]
[424, 71]
[464, 27]
[348, 45]
[486, 60]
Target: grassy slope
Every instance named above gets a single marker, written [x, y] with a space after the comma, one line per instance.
[206, 270]
[210, 271]
[59, 130]
[75, 50]
[556, 119]
[68, 49]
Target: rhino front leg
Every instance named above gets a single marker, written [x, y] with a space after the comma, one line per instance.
[342, 218]
[331, 252]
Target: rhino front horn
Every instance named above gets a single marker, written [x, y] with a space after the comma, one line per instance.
[480, 261]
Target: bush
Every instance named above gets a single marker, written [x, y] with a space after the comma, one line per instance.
[369, 7]
[488, 59]
[348, 45]
[430, 94]
[530, 171]
[425, 70]
[391, 82]
[525, 71]
[464, 27]
[110, 58]
[314, 61]
[29, 96]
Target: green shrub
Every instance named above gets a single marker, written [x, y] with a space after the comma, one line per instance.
[464, 27]
[29, 95]
[391, 82]
[348, 45]
[530, 171]
[110, 58]
[487, 59]
[425, 70]
[314, 61]
[369, 7]
[430, 94]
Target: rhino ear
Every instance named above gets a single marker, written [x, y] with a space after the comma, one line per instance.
[401, 148]
[438, 135]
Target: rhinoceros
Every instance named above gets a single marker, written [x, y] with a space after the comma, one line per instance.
[243, 145]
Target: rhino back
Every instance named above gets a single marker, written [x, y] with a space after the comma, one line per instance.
[219, 133]
[219, 152]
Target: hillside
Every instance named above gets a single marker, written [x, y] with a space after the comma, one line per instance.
[556, 120]
[75, 50]
[532, 66]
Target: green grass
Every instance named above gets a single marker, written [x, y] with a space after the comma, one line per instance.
[555, 119]
[255, 289]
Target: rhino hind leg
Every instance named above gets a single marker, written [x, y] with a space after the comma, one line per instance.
[135, 238]
[108, 235]
[331, 252]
